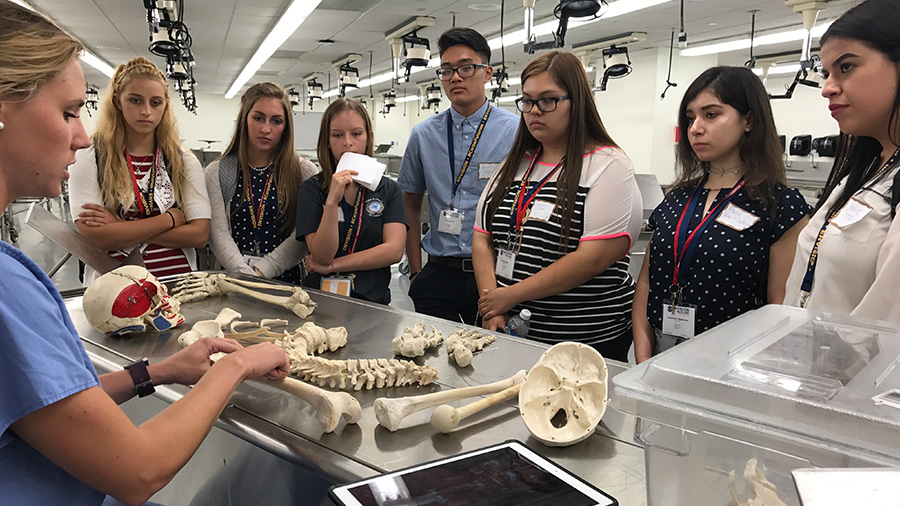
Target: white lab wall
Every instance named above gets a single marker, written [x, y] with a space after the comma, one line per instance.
[631, 109]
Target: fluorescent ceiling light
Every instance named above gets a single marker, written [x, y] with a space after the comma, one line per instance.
[618, 8]
[762, 40]
[94, 61]
[507, 99]
[86, 56]
[779, 69]
[292, 18]
[408, 98]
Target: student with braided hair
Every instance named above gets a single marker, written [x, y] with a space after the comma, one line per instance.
[136, 186]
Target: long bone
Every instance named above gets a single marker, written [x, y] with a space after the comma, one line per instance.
[199, 285]
[330, 406]
[445, 417]
[391, 412]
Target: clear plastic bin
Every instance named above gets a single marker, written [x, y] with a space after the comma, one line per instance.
[789, 387]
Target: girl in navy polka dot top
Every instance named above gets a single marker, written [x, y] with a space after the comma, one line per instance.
[724, 236]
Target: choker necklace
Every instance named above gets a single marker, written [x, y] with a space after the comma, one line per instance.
[721, 172]
[259, 169]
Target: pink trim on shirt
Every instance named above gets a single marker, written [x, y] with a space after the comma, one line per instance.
[601, 148]
[479, 229]
[610, 236]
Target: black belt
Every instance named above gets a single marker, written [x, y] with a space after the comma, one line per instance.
[463, 264]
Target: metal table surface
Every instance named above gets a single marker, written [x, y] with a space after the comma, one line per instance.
[285, 425]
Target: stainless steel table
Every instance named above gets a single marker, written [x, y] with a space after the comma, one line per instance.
[285, 426]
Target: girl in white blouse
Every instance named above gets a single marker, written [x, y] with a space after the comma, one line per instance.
[848, 256]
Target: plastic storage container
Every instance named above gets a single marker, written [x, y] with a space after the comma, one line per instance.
[789, 387]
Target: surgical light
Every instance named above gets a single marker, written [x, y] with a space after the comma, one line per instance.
[616, 63]
[349, 77]
[417, 53]
[433, 94]
[314, 90]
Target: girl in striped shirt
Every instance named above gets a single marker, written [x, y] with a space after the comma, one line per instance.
[137, 187]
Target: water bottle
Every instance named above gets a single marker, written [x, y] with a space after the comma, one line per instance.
[519, 325]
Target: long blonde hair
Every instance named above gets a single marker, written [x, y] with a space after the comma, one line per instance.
[113, 173]
[33, 51]
[285, 166]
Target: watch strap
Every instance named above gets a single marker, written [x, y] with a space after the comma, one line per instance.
[143, 385]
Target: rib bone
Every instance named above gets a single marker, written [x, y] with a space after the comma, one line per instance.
[391, 412]
[445, 417]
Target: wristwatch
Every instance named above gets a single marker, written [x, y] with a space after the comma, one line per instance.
[143, 385]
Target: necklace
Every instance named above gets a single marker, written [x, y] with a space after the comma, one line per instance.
[259, 169]
[721, 172]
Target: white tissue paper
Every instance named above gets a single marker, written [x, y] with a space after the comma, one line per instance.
[370, 170]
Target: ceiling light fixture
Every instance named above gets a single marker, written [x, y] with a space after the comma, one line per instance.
[86, 56]
[292, 18]
[794, 35]
[617, 64]
[564, 11]
[348, 75]
[618, 8]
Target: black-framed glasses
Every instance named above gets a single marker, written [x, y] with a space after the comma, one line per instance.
[464, 71]
[546, 104]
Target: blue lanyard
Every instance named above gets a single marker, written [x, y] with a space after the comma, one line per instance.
[806, 286]
[450, 149]
[687, 244]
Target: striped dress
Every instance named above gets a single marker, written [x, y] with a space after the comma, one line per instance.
[608, 205]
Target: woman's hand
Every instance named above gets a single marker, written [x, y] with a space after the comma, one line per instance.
[263, 359]
[316, 267]
[94, 215]
[496, 302]
[497, 323]
[187, 366]
[339, 182]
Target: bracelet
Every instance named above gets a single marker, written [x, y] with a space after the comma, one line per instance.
[173, 219]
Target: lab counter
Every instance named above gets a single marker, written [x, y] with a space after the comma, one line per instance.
[285, 426]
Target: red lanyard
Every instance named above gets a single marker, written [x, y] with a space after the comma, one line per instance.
[524, 199]
[146, 206]
[256, 218]
[355, 220]
[685, 246]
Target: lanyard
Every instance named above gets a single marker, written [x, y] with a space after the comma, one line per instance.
[145, 202]
[686, 244]
[522, 202]
[806, 285]
[257, 217]
[355, 223]
[450, 149]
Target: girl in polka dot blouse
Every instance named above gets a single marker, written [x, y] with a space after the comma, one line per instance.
[724, 236]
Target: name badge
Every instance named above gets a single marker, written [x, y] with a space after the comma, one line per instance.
[486, 170]
[450, 221]
[678, 320]
[852, 212]
[506, 260]
[339, 285]
[541, 210]
[340, 214]
[252, 260]
[735, 217]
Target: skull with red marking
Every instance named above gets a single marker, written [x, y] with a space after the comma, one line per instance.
[127, 299]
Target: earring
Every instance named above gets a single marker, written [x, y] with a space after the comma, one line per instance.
[747, 130]
[2, 125]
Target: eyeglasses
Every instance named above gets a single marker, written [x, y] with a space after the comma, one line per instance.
[546, 104]
[464, 71]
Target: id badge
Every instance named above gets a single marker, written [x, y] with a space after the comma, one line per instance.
[541, 210]
[678, 320]
[450, 221]
[252, 260]
[339, 285]
[506, 260]
[486, 170]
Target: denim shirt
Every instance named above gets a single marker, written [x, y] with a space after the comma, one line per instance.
[426, 167]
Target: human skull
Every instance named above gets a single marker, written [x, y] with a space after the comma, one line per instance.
[564, 395]
[128, 298]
